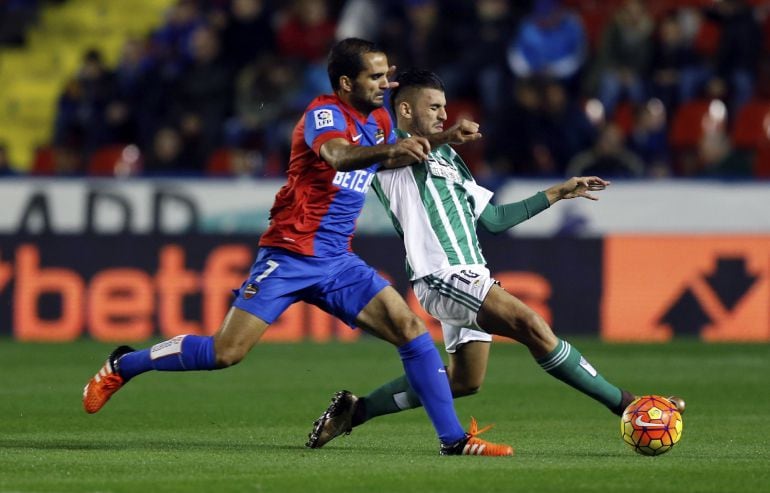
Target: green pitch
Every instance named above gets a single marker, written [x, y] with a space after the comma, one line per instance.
[243, 429]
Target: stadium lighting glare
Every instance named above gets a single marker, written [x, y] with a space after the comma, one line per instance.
[594, 111]
[717, 111]
[656, 107]
[766, 125]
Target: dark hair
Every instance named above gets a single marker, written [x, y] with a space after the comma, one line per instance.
[414, 79]
[345, 58]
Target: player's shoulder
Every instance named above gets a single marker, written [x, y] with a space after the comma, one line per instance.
[382, 117]
[326, 112]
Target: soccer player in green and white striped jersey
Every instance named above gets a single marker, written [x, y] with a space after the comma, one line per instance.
[435, 206]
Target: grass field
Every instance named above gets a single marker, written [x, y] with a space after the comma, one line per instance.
[243, 429]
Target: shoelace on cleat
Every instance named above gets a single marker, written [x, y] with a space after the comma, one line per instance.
[477, 446]
[474, 428]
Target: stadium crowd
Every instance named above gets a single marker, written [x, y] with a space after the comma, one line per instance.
[621, 88]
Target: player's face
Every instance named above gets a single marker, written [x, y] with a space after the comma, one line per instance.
[428, 112]
[368, 88]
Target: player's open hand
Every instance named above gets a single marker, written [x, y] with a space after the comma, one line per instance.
[582, 186]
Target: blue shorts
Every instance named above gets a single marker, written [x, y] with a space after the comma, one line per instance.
[341, 286]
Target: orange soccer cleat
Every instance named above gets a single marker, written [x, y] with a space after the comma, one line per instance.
[472, 445]
[106, 382]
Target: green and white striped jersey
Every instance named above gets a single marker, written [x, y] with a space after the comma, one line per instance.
[434, 206]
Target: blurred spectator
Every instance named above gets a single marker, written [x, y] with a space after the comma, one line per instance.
[511, 136]
[541, 132]
[649, 138]
[564, 130]
[305, 35]
[477, 69]
[86, 118]
[717, 158]
[360, 19]
[166, 156]
[426, 37]
[551, 42]
[267, 105]
[248, 32]
[306, 31]
[202, 98]
[173, 40]
[67, 161]
[5, 163]
[608, 158]
[15, 18]
[677, 72]
[624, 56]
[738, 51]
[127, 100]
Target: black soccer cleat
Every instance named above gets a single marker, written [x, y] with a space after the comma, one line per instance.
[335, 421]
[626, 398]
[678, 403]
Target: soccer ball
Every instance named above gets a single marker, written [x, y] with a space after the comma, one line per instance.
[651, 425]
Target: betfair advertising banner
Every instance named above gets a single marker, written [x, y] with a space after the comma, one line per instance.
[60, 288]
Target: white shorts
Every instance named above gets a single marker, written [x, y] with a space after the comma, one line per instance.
[454, 296]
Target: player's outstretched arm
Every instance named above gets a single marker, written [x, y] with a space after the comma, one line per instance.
[343, 156]
[499, 218]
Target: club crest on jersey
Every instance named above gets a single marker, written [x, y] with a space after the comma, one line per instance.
[379, 137]
[323, 118]
[249, 291]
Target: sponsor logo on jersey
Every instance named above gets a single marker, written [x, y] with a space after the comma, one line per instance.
[356, 138]
[323, 118]
[358, 180]
[437, 166]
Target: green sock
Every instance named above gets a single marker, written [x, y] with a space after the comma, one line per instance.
[568, 365]
[396, 395]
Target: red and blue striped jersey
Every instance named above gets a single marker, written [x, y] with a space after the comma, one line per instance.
[315, 212]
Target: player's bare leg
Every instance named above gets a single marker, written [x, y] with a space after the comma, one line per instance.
[468, 367]
[238, 333]
[504, 314]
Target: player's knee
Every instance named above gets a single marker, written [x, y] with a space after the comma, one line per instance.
[540, 337]
[227, 357]
[411, 328]
[462, 389]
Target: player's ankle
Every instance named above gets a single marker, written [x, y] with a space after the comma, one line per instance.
[359, 412]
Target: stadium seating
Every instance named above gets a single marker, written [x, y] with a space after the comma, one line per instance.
[692, 119]
[752, 125]
[751, 134]
[33, 76]
[219, 164]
